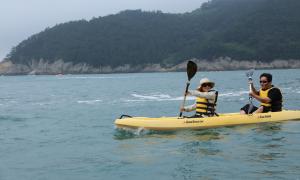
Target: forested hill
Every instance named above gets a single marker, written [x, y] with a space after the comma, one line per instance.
[240, 29]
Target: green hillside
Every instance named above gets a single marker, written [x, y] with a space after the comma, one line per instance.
[240, 29]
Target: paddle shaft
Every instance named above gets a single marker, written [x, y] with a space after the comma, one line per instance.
[250, 97]
[184, 98]
[191, 71]
[250, 90]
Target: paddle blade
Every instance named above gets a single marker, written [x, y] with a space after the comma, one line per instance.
[249, 73]
[191, 69]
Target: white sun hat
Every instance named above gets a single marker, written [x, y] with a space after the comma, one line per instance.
[207, 81]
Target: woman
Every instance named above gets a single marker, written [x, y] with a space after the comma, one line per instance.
[206, 98]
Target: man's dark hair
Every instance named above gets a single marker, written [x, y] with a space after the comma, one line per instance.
[267, 75]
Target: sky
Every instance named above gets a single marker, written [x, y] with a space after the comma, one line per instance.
[19, 19]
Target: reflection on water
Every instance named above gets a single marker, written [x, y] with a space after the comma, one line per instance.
[268, 128]
[271, 156]
[268, 150]
[202, 152]
[256, 150]
[128, 133]
[199, 148]
[11, 118]
[121, 134]
[188, 135]
[208, 134]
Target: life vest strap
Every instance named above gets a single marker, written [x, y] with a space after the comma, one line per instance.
[208, 104]
[200, 114]
[207, 108]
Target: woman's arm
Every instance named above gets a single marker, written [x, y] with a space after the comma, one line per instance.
[189, 108]
[208, 95]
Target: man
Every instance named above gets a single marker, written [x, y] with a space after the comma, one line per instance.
[269, 96]
[206, 98]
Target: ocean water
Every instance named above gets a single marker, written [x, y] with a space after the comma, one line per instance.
[62, 127]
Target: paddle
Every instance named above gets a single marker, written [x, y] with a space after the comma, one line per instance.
[191, 70]
[249, 74]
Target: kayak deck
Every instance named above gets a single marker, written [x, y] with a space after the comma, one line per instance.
[228, 119]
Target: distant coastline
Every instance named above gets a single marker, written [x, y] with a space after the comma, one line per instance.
[42, 67]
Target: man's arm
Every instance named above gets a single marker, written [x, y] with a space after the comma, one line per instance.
[253, 88]
[257, 97]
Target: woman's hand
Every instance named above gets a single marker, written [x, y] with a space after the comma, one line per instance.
[188, 93]
[182, 109]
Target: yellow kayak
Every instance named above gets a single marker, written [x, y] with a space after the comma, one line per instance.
[228, 119]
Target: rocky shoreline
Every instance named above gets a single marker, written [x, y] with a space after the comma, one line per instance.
[42, 67]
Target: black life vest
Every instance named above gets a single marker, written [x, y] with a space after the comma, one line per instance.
[271, 106]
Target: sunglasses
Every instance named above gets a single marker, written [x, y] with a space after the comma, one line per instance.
[263, 82]
[206, 84]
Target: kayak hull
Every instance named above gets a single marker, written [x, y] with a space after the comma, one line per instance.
[228, 119]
